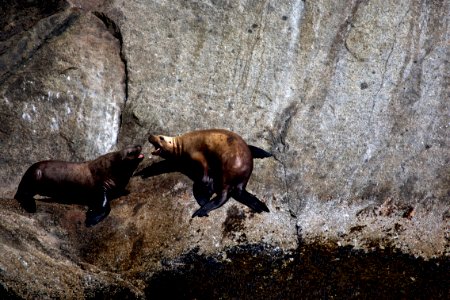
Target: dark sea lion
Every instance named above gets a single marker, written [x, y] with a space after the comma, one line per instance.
[218, 161]
[93, 183]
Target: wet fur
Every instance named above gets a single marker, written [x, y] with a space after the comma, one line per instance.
[92, 183]
[218, 161]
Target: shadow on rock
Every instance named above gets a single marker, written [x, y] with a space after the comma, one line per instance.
[313, 271]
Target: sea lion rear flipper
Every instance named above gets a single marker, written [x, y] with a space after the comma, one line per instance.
[258, 152]
[251, 201]
[26, 202]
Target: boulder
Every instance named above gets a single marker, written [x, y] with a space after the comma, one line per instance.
[350, 97]
[62, 88]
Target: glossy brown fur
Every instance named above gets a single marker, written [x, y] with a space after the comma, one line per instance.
[217, 147]
[91, 183]
[224, 158]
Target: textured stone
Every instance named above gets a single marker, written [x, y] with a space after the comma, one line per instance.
[62, 91]
[352, 103]
[350, 96]
[63, 258]
[40, 259]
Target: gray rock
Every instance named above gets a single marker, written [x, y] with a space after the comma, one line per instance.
[352, 98]
[62, 91]
[352, 103]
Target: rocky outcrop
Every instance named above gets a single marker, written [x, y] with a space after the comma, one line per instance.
[62, 86]
[52, 254]
[350, 97]
[352, 103]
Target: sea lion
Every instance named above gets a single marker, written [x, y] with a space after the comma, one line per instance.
[93, 183]
[217, 160]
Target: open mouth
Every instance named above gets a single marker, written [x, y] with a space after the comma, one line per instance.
[157, 151]
[135, 153]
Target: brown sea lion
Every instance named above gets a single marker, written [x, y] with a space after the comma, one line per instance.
[93, 183]
[218, 161]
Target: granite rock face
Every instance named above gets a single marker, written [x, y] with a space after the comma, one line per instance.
[351, 97]
[62, 86]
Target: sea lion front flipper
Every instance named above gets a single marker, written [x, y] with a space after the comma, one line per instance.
[96, 214]
[216, 202]
[258, 152]
[202, 193]
[251, 201]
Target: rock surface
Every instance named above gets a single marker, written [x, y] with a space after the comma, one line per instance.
[62, 86]
[351, 97]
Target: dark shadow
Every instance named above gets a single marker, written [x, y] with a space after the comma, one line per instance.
[162, 167]
[312, 271]
[98, 208]
[200, 191]
[81, 200]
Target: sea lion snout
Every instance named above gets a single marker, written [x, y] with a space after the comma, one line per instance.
[161, 143]
[133, 152]
[153, 139]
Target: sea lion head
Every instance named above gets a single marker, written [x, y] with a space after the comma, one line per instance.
[132, 154]
[121, 162]
[164, 145]
[118, 165]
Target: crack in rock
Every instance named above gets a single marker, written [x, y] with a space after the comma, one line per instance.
[114, 29]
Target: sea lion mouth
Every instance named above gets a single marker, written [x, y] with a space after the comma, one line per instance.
[133, 153]
[155, 140]
[157, 151]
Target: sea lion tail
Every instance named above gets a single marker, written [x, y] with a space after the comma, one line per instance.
[251, 201]
[258, 152]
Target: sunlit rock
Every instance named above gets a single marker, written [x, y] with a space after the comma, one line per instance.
[350, 97]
